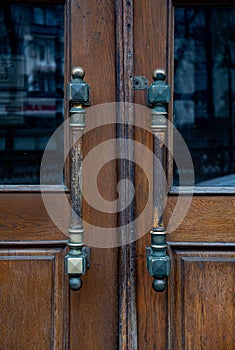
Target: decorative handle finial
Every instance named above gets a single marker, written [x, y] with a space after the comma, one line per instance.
[78, 89]
[78, 72]
[159, 74]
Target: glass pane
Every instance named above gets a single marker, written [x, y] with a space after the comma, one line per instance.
[31, 88]
[204, 90]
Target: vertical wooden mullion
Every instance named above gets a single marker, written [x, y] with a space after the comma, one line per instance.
[127, 337]
[152, 42]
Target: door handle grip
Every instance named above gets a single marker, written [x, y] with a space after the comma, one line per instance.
[158, 262]
[76, 259]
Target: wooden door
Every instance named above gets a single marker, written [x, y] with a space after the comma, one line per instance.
[197, 309]
[40, 44]
[116, 307]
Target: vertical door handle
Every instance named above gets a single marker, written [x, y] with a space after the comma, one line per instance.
[158, 262]
[76, 259]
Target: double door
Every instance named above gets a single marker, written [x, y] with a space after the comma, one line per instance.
[116, 42]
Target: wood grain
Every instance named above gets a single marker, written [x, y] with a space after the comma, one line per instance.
[209, 219]
[125, 170]
[151, 51]
[202, 299]
[32, 304]
[91, 44]
[152, 306]
[34, 290]
[23, 217]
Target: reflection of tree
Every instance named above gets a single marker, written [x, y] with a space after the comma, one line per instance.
[208, 33]
[230, 65]
[209, 65]
[187, 21]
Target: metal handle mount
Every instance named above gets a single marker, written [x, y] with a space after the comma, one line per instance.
[158, 262]
[76, 259]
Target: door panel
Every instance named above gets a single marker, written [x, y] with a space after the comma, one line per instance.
[151, 19]
[33, 285]
[24, 218]
[54, 317]
[91, 44]
[202, 298]
[33, 298]
[216, 222]
[196, 310]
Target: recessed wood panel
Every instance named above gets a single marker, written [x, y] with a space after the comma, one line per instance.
[32, 299]
[202, 300]
[209, 219]
[24, 217]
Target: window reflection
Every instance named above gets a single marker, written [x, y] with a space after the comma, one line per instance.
[31, 88]
[204, 89]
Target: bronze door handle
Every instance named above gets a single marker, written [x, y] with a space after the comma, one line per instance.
[76, 259]
[158, 262]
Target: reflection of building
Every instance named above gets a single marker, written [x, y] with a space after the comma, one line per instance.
[35, 33]
[31, 83]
